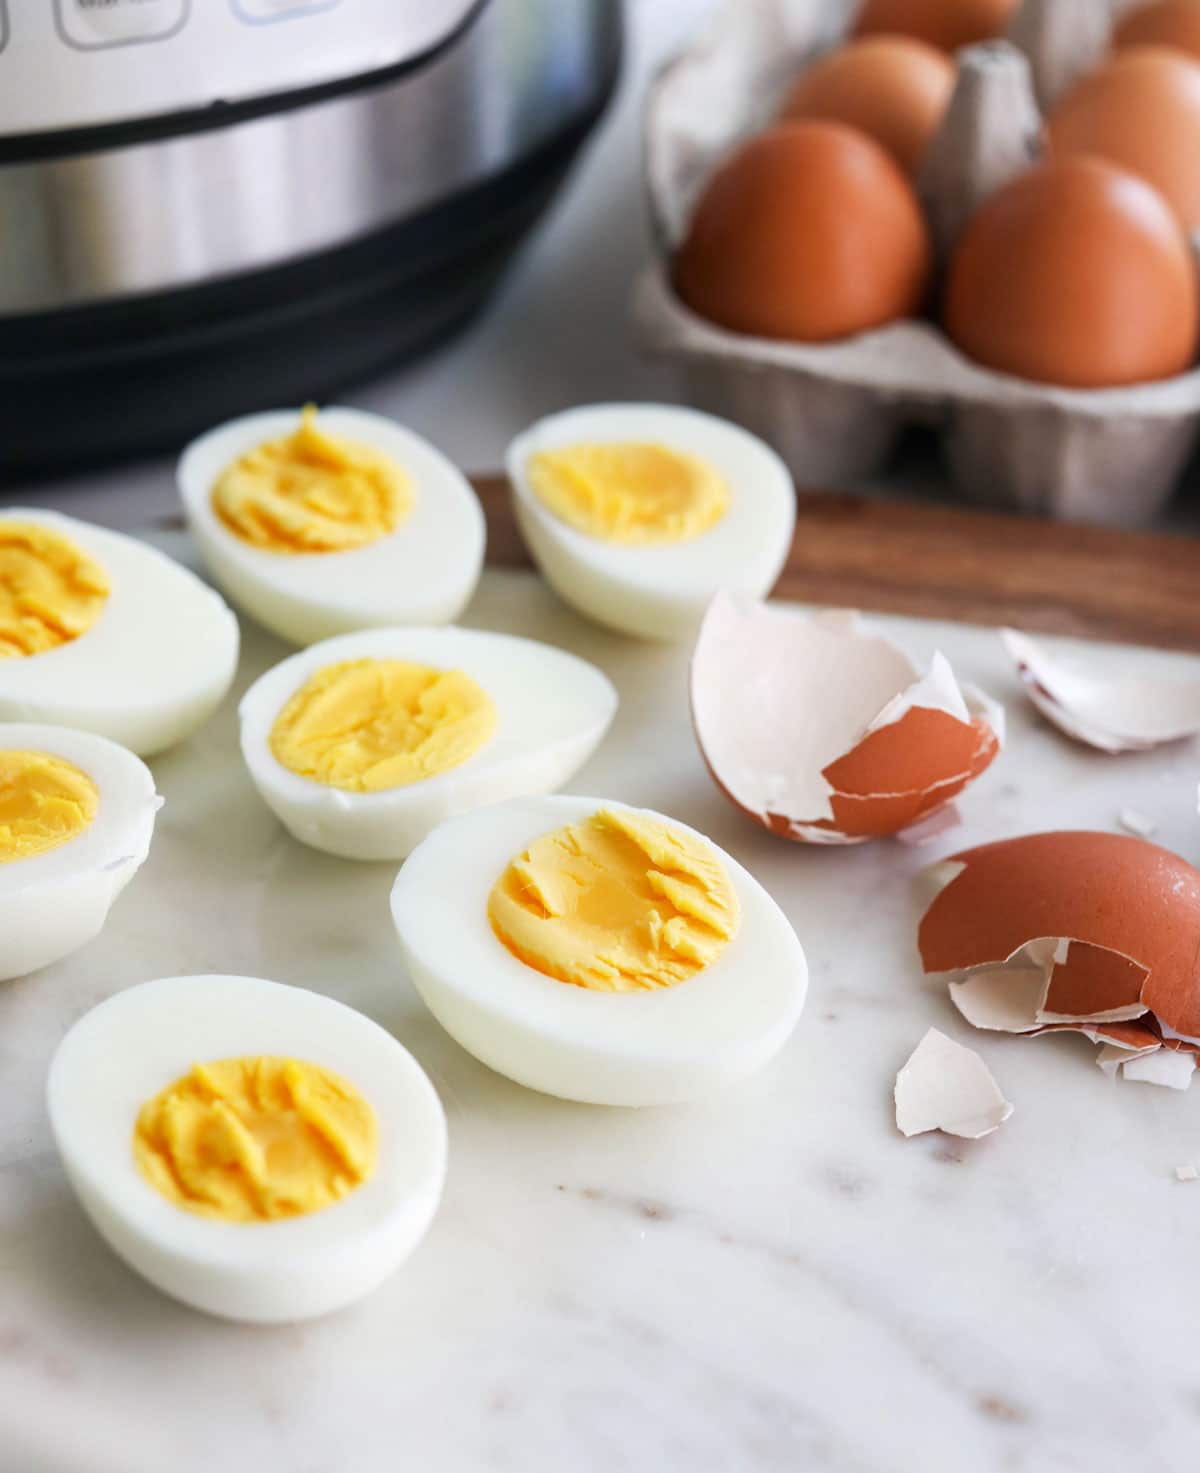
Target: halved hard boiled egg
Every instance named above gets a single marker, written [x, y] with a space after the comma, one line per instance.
[363, 744]
[318, 524]
[257, 1151]
[103, 632]
[598, 952]
[638, 513]
[76, 818]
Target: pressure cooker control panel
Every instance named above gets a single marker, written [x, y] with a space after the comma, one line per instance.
[86, 63]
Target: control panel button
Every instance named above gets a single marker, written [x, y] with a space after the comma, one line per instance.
[257, 11]
[91, 24]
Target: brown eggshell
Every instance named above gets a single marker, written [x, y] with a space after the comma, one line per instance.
[826, 732]
[1140, 110]
[1110, 891]
[1162, 23]
[1077, 274]
[1093, 980]
[929, 757]
[893, 88]
[809, 231]
[947, 24]
[1137, 1035]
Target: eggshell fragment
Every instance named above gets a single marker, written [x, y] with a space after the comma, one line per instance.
[945, 1086]
[1001, 999]
[1125, 967]
[1163, 1067]
[1124, 713]
[826, 732]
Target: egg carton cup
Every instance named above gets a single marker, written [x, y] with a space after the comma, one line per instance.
[835, 410]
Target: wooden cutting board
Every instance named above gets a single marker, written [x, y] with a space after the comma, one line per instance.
[972, 566]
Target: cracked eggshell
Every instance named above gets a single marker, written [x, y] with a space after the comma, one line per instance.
[1160, 1066]
[947, 1086]
[1128, 712]
[834, 411]
[1120, 918]
[826, 732]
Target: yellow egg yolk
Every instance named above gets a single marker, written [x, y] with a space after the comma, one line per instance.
[44, 802]
[312, 492]
[249, 1140]
[51, 591]
[639, 495]
[366, 725]
[619, 903]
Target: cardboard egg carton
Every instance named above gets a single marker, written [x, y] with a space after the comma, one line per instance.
[835, 410]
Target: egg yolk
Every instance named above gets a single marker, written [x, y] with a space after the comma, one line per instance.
[619, 903]
[51, 591]
[366, 725]
[640, 495]
[44, 802]
[250, 1140]
[312, 492]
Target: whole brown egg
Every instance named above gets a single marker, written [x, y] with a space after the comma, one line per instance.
[1162, 23]
[894, 88]
[947, 24]
[1141, 110]
[809, 231]
[1077, 273]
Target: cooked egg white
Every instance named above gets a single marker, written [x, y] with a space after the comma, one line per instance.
[257, 1151]
[103, 632]
[598, 952]
[363, 744]
[320, 524]
[638, 513]
[76, 819]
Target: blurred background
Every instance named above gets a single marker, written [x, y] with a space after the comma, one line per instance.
[439, 212]
[556, 332]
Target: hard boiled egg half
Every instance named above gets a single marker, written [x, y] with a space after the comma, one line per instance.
[76, 818]
[363, 744]
[638, 513]
[103, 632]
[257, 1151]
[598, 952]
[317, 524]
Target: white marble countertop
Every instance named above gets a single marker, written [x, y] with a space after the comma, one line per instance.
[772, 1281]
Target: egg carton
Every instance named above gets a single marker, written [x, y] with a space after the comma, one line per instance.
[835, 410]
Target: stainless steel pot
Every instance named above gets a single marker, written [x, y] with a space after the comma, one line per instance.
[148, 233]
